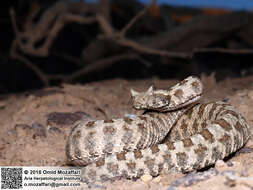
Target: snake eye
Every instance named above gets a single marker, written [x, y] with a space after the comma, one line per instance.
[164, 101]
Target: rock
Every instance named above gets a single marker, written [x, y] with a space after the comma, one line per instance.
[146, 178]
[220, 164]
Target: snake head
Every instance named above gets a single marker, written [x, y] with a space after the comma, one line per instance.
[141, 100]
[148, 99]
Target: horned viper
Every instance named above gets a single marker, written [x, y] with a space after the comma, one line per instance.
[175, 134]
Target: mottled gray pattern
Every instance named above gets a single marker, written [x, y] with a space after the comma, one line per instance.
[182, 137]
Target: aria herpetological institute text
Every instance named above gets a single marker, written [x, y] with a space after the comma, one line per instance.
[40, 177]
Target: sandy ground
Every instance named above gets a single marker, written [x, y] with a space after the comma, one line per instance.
[35, 126]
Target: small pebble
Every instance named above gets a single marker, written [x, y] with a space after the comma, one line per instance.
[130, 115]
[230, 182]
[171, 188]
[230, 164]
[146, 178]
[225, 100]
[220, 164]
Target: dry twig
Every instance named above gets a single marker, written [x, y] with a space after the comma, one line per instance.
[56, 17]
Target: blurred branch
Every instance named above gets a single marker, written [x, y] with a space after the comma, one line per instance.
[182, 41]
[45, 30]
[143, 49]
[42, 76]
[224, 50]
[98, 65]
[133, 21]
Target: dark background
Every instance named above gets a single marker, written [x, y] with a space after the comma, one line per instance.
[203, 40]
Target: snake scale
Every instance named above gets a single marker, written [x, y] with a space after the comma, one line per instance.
[175, 134]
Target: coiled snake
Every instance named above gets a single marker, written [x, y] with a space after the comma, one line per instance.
[176, 134]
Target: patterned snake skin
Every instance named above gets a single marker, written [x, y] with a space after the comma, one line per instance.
[178, 135]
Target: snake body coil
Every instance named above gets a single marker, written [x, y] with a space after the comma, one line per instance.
[178, 134]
